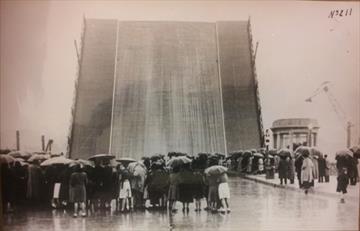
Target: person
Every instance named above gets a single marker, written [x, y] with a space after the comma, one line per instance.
[239, 165]
[186, 183]
[224, 193]
[291, 169]
[342, 183]
[125, 192]
[316, 166]
[78, 181]
[327, 169]
[198, 189]
[261, 165]
[353, 171]
[276, 162]
[307, 172]
[7, 187]
[173, 193]
[157, 184]
[108, 183]
[322, 166]
[20, 179]
[213, 194]
[298, 165]
[283, 170]
[250, 162]
[137, 179]
[34, 182]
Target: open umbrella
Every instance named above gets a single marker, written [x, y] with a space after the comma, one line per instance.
[247, 154]
[215, 170]
[81, 162]
[155, 157]
[258, 155]
[316, 152]
[7, 159]
[270, 156]
[177, 161]
[302, 151]
[262, 150]
[272, 152]
[356, 151]
[56, 160]
[102, 156]
[20, 154]
[284, 153]
[253, 150]
[220, 155]
[343, 154]
[126, 160]
[21, 161]
[39, 157]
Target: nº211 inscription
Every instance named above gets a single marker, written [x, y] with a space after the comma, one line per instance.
[340, 13]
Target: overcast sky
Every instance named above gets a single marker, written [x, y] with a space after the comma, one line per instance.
[299, 48]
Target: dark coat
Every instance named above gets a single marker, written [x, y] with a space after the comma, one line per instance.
[322, 166]
[283, 168]
[78, 181]
[343, 182]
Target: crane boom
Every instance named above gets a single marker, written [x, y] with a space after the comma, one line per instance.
[324, 87]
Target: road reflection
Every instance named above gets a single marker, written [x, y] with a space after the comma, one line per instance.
[254, 207]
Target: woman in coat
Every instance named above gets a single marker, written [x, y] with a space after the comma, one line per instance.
[307, 173]
[298, 165]
[78, 181]
[186, 186]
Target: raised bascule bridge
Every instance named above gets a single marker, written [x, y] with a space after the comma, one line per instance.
[148, 87]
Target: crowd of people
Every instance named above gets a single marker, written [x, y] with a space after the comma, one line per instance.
[307, 164]
[161, 180]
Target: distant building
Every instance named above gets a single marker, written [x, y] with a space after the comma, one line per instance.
[287, 132]
[155, 87]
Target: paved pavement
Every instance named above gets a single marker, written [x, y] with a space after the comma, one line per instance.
[324, 189]
[254, 206]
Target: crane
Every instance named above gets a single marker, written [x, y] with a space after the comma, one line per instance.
[325, 88]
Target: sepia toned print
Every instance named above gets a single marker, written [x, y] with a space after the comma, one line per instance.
[178, 115]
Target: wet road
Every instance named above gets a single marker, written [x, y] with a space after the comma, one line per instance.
[254, 207]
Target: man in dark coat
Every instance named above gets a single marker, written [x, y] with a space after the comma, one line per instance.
[34, 183]
[283, 170]
[322, 166]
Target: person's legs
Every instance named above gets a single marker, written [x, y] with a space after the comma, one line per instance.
[223, 205]
[123, 204]
[281, 181]
[285, 180]
[327, 179]
[83, 209]
[131, 203]
[76, 207]
[227, 205]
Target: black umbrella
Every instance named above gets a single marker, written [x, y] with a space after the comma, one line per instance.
[316, 152]
[343, 154]
[284, 153]
[102, 156]
[302, 151]
[356, 151]
[125, 160]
